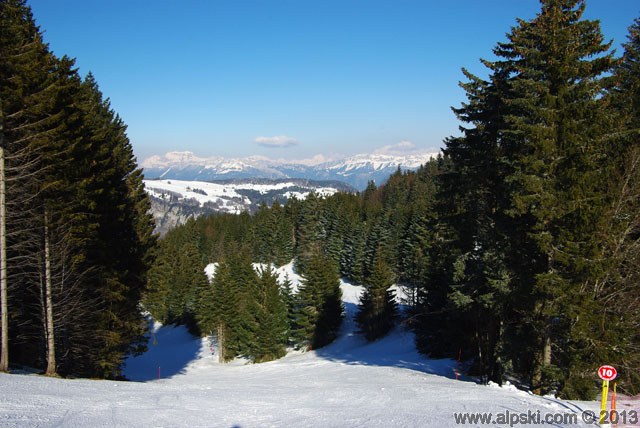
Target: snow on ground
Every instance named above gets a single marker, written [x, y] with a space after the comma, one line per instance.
[347, 384]
[283, 272]
[201, 191]
[222, 193]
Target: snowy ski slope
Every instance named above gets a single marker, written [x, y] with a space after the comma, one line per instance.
[347, 384]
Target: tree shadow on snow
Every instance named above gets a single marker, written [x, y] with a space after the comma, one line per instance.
[170, 349]
[396, 349]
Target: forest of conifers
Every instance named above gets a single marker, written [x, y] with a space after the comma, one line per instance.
[75, 235]
[518, 247]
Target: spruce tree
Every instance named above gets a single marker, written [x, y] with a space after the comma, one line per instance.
[310, 233]
[80, 234]
[538, 139]
[271, 318]
[289, 299]
[554, 147]
[319, 302]
[283, 239]
[378, 308]
[24, 105]
[618, 338]
[226, 312]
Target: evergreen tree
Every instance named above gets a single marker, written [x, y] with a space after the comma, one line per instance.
[378, 308]
[156, 296]
[618, 338]
[80, 236]
[319, 302]
[309, 233]
[289, 299]
[24, 105]
[283, 236]
[271, 318]
[189, 281]
[521, 233]
[264, 227]
[245, 281]
[226, 312]
[418, 235]
[553, 146]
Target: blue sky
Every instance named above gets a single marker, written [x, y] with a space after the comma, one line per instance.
[289, 78]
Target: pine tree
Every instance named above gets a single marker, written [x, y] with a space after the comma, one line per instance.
[553, 144]
[283, 236]
[189, 279]
[271, 318]
[618, 337]
[264, 227]
[418, 236]
[246, 284]
[319, 302]
[23, 116]
[226, 312]
[156, 295]
[289, 299]
[378, 308]
[523, 235]
[72, 178]
[310, 233]
[353, 258]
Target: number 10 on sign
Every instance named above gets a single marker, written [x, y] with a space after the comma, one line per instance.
[606, 373]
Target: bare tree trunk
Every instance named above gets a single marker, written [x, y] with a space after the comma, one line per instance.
[221, 340]
[542, 360]
[546, 353]
[4, 307]
[51, 342]
[536, 377]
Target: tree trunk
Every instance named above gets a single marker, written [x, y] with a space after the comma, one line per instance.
[50, 333]
[221, 343]
[536, 377]
[546, 354]
[4, 307]
[542, 360]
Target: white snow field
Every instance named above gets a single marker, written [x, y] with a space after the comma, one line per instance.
[347, 384]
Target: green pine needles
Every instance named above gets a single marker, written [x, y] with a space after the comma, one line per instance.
[75, 234]
[528, 207]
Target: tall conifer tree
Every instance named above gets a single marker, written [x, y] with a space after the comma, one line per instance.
[531, 166]
[378, 308]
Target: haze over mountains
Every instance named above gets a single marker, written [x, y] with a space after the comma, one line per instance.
[356, 170]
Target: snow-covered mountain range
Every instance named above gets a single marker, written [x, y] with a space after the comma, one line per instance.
[356, 170]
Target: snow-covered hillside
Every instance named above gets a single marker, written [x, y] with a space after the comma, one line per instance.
[175, 201]
[347, 384]
[231, 196]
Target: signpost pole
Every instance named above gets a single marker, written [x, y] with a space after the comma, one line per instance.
[607, 374]
[603, 404]
[613, 418]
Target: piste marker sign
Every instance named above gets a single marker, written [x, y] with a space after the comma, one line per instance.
[607, 372]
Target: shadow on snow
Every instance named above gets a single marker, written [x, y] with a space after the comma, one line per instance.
[396, 349]
[170, 348]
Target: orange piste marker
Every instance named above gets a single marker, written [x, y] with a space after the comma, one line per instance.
[612, 418]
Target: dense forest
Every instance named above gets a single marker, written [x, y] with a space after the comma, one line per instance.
[75, 234]
[518, 248]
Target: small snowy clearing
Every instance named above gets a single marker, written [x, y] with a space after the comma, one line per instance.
[349, 383]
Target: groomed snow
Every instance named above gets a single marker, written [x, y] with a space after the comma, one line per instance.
[347, 384]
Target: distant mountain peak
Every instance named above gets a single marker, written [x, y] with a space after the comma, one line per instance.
[355, 170]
